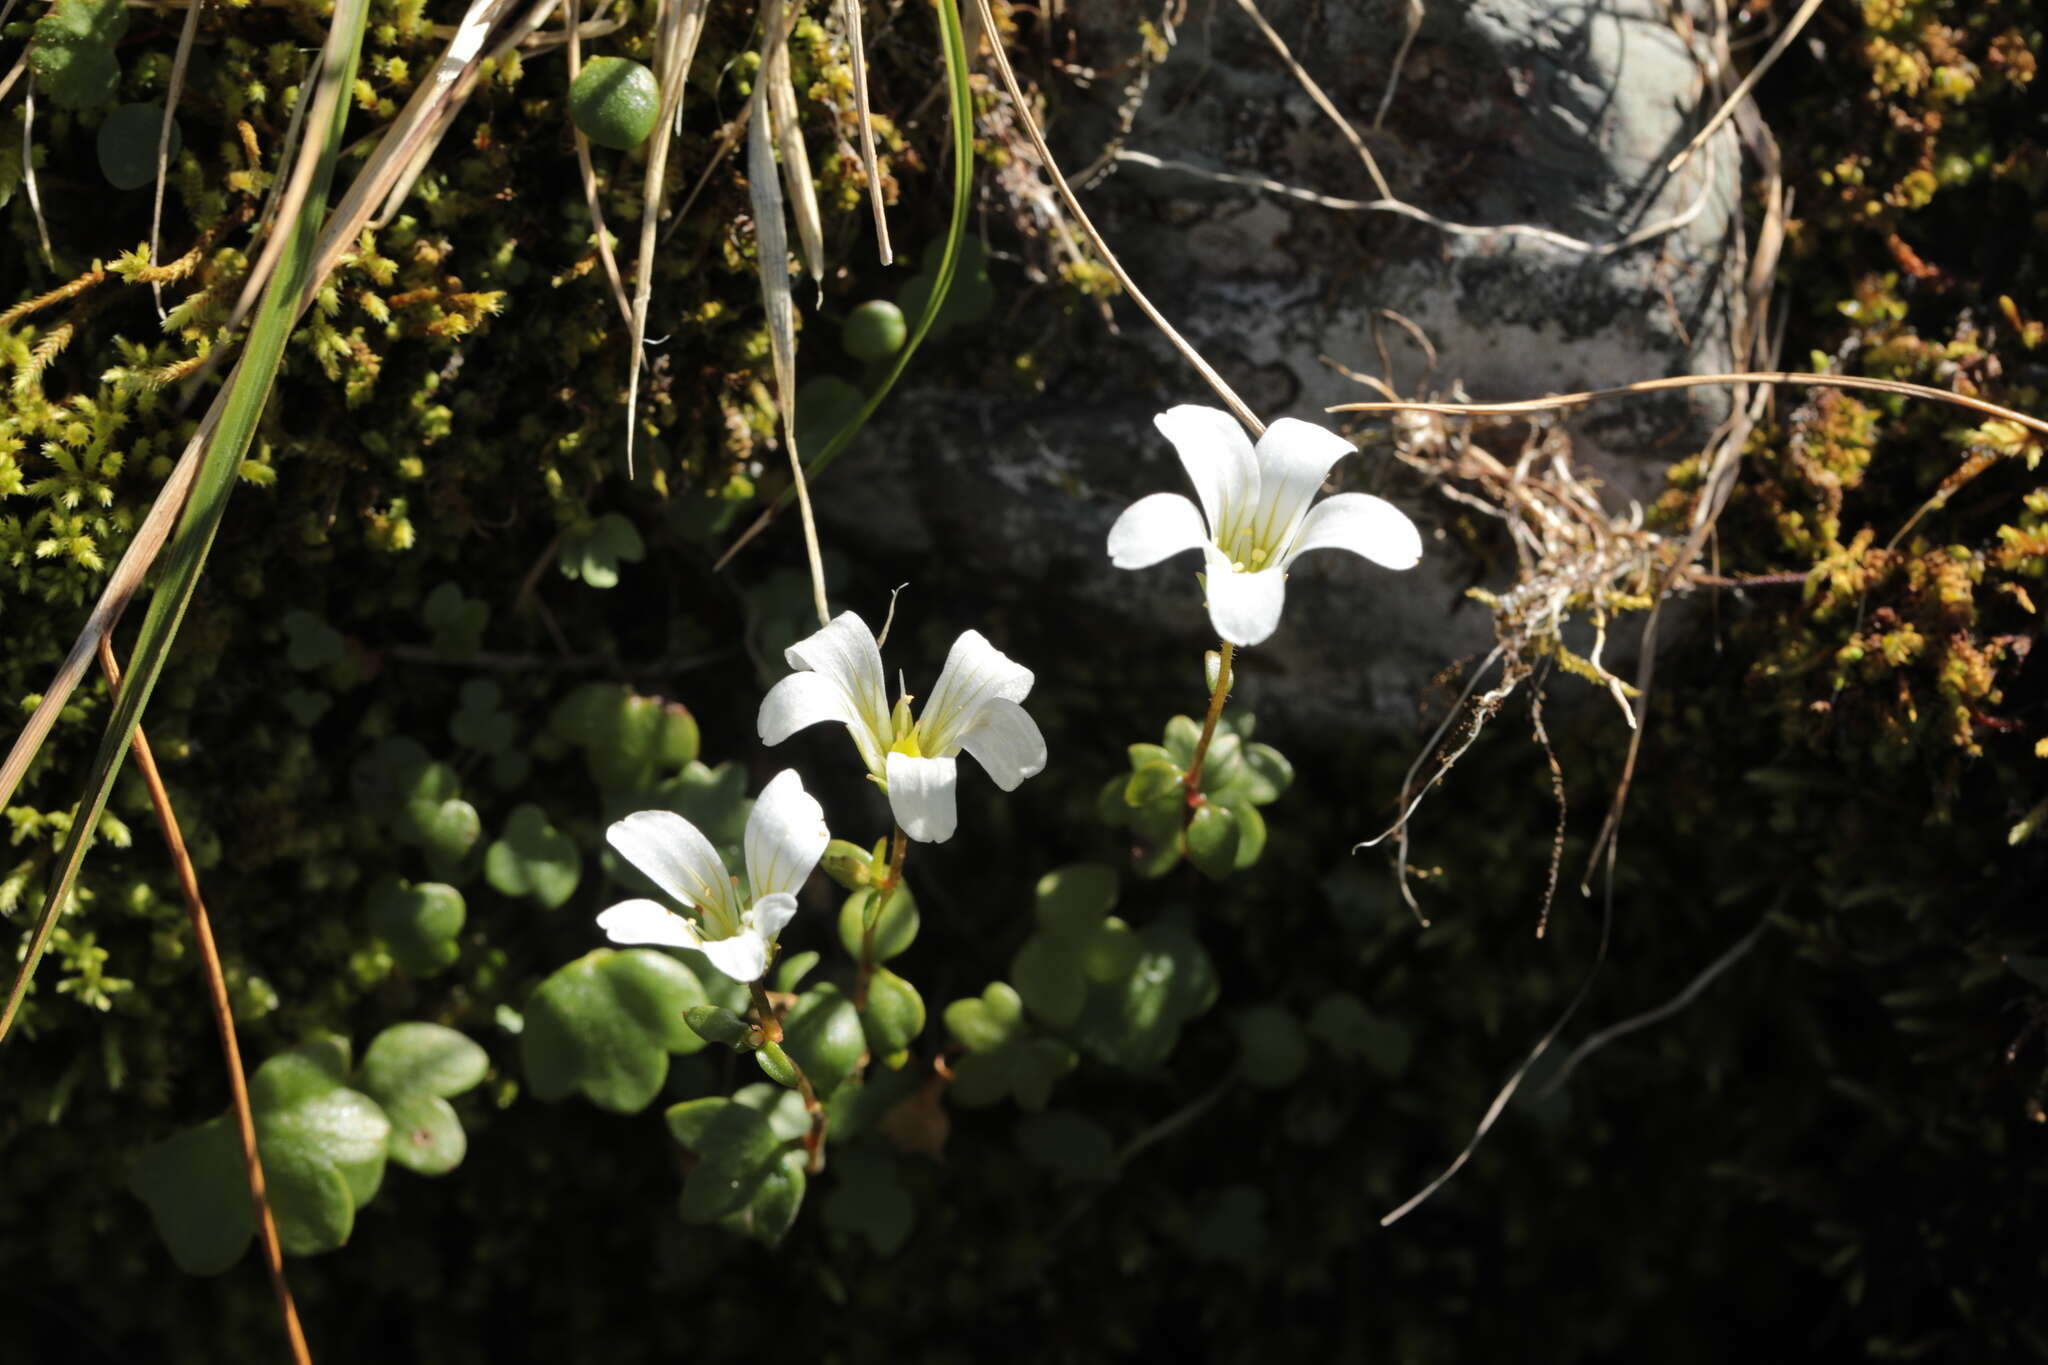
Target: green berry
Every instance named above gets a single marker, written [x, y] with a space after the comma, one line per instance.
[615, 102]
[874, 331]
[127, 145]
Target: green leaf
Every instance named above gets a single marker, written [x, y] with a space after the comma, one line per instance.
[1111, 952]
[783, 1108]
[1341, 1022]
[1267, 774]
[533, 859]
[1272, 1049]
[894, 1017]
[605, 1024]
[1224, 764]
[309, 1198]
[824, 404]
[1039, 1063]
[985, 1024]
[323, 1144]
[896, 924]
[457, 622]
[478, 723]
[716, 1024]
[771, 1212]
[1212, 842]
[868, 1200]
[1135, 1023]
[790, 971]
[848, 864]
[1156, 836]
[1156, 781]
[593, 553]
[735, 1148]
[1183, 733]
[776, 1066]
[1073, 899]
[1068, 1144]
[1145, 755]
[1051, 975]
[1251, 834]
[422, 1058]
[418, 923]
[822, 1032]
[196, 1187]
[426, 1135]
[73, 54]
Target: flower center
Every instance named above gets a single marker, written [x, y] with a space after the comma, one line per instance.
[1247, 556]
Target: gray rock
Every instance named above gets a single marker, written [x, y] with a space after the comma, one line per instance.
[1560, 117]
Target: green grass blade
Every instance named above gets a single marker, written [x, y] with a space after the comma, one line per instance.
[961, 104]
[247, 392]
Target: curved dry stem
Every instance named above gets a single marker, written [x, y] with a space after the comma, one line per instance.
[223, 1018]
[1695, 381]
[1202, 367]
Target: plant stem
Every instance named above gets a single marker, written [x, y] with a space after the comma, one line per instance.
[899, 846]
[1193, 780]
[223, 1018]
[771, 1029]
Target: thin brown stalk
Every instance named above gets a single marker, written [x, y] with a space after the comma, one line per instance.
[1400, 60]
[186, 32]
[679, 23]
[70, 290]
[1322, 101]
[28, 169]
[223, 1018]
[1741, 92]
[1694, 381]
[856, 46]
[589, 173]
[771, 248]
[1202, 367]
[802, 187]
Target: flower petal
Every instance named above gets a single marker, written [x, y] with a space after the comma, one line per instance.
[1218, 458]
[1007, 742]
[785, 836]
[845, 653]
[805, 699]
[770, 914]
[742, 956]
[679, 860]
[1294, 459]
[1153, 528]
[1362, 524]
[645, 921]
[975, 674]
[921, 796]
[1245, 607]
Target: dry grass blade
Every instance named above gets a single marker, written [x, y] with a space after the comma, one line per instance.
[679, 24]
[571, 23]
[186, 31]
[771, 247]
[28, 168]
[856, 47]
[1741, 92]
[786, 119]
[1658, 1015]
[223, 1020]
[1415, 13]
[1202, 367]
[122, 585]
[239, 406]
[1694, 381]
[1322, 101]
[14, 73]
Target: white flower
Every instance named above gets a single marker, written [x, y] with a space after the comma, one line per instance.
[973, 706]
[785, 838]
[1256, 504]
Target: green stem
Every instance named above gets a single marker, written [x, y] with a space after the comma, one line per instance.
[1193, 780]
[771, 1029]
[899, 846]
